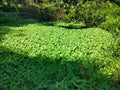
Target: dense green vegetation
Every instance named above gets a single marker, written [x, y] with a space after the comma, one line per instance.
[47, 56]
[103, 13]
[59, 44]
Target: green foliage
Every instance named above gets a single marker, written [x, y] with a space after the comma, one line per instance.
[50, 12]
[111, 24]
[71, 2]
[6, 17]
[7, 8]
[112, 19]
[28, 11]
[47, 13]
[60, 56]
[90, 13]
[42, 12]
[45, 56]
[70, 17]
[116, 2]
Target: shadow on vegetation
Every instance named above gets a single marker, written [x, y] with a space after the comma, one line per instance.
[74, 27]
[3, 31]
[24, 22]
[19, 71]
[48, 23]
[71, 26]
[21, 22]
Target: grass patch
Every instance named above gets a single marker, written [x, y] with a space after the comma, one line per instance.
[38, 56]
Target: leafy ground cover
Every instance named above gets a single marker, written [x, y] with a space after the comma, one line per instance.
[49, 56]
